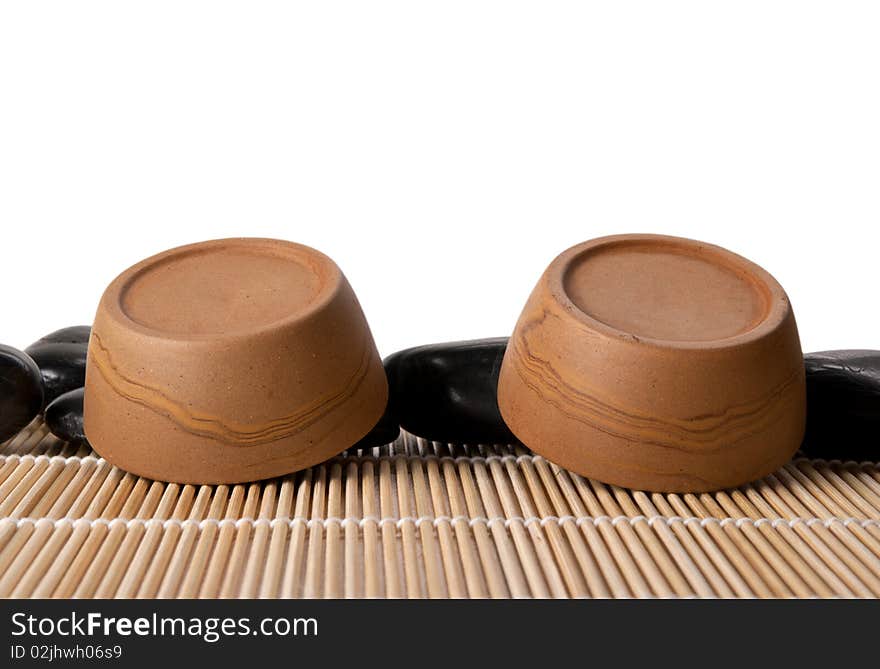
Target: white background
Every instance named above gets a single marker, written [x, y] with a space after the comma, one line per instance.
[442, 153]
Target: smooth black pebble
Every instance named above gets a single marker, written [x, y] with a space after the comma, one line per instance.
[75, 334]
[21, 391]
[843, 405]
[448, 392]
[61, 357]
[64, 416]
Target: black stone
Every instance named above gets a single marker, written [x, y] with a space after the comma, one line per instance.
[843, 405]
[385, 431]
[61, 357]
[75, 334]
[21, 391]
[64, 416]
[448, 392]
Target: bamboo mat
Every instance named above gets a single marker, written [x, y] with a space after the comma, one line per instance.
[421, 519]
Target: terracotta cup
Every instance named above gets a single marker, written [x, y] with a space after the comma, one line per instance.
[229, 361]
[656, 363]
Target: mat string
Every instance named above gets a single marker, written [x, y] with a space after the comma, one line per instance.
[434, 521]
[345, 459]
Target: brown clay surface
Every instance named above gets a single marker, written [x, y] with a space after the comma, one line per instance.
[230, 361]
[665, 291]
[656, 363]
[227, 290]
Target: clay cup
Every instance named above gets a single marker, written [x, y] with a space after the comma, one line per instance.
[230, 361]
[656, 363]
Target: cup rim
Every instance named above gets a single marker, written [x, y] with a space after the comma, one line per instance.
[778, 306]
[331, 282]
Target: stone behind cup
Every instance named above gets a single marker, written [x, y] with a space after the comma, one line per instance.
[656, 363]
[230, 361]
